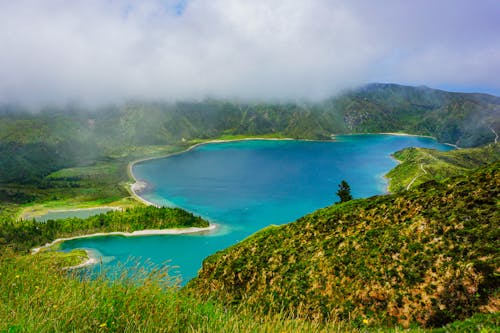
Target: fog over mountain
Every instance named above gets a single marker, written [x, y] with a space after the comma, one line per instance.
[96, 51]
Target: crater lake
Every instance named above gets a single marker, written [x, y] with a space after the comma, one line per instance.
[244, 186]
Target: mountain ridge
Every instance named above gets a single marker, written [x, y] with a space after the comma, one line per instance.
[58, 138]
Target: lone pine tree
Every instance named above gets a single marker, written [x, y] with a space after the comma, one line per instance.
[344, 191]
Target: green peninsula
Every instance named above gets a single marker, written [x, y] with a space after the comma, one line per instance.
[23, 235]
[419, 165]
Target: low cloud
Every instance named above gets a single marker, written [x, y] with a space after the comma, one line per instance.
[97, 51]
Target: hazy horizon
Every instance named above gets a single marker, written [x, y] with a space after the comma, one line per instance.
[99, 52]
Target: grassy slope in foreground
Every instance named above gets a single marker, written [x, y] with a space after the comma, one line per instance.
[419, 165]
[429, 256]
[37, 296]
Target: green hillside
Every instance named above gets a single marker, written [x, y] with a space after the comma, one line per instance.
[427, 256]
[462, 119]
[419, 165]
[37, 296]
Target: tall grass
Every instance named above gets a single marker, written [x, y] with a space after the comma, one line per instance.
[36, 295]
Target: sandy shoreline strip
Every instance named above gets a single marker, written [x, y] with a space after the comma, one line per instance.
[147, 232]
[406, 134]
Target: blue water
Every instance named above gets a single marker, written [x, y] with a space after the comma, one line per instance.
[80, 213]
[246, 185]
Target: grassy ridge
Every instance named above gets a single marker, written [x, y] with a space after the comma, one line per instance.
[419, 165]
[428, 256]
[26, 234]
[36, 296]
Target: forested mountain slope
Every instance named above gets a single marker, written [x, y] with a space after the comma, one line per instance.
[34, 144]
[428, 256]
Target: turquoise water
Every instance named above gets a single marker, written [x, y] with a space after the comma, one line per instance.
[80, 213]
[246, 185]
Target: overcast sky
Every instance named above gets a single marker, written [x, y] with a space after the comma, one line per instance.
[55, 51]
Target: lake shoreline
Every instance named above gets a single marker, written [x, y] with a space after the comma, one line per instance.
[406, 134]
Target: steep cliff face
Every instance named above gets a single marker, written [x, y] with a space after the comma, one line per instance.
[429, 255]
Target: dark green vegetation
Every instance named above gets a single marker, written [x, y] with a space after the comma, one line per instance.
[419, 165]
[23, 235]
[427, 256]
[344, 192]
[102, 183]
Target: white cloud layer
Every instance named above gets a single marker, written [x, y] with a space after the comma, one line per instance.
[100, 51]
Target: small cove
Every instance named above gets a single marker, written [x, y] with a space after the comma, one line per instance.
[244, 186]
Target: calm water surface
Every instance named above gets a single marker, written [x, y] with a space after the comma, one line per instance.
[80, 213]
[246, 185]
